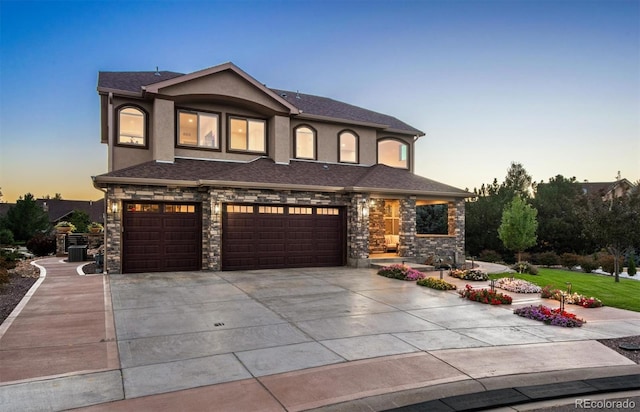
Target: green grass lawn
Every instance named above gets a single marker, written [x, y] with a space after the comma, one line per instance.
[623, 295]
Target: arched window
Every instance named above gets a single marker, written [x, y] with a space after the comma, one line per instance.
[304, 142]
[394, 153]
[348, 147]
[132, 126]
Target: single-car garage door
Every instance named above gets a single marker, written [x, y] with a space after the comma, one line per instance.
[161, 237]
[279, 236]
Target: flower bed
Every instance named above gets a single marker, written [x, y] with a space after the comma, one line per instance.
[570, 298]
[438, 284]
[517, 285]
[485, 296]
[402, 272]
[469, 274]
[555, 317]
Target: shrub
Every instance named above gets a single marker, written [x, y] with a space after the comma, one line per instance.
[570, 260]
[525, 267]
[489, 256]
[631, 270]
[42, 245]
[548, 292]
[6, 237]
[485, 296]
[588, 264]
[606, 262]
[547, 259]
[555, 317]
[402, 272]
[469, 274]
[438, 284]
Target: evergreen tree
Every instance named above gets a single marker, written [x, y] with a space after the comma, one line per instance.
[25, 219]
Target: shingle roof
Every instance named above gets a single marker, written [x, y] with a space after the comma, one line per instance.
[61, 209]
[264, 172]
[133, 82]
[324, 106]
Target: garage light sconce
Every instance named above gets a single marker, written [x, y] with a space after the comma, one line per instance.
[216, 209]
[114, 208]
[364, 209]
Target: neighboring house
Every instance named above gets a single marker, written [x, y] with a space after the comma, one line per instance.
[59, 209]
[213, 170]
[607, 190]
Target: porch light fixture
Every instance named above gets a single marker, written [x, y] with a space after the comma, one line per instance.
[364, 209]
[114, 207]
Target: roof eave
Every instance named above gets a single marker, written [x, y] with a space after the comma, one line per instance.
[389, 191]
[378, 126]
[155, 87]
[107, 90]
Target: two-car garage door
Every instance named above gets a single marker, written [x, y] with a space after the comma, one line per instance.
[160, 237]
[279, 236]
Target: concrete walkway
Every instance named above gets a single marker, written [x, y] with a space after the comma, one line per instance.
[282, 340]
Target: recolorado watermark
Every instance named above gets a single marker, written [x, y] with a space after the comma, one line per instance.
[602, 404]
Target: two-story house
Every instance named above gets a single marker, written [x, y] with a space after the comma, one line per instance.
[213, 170]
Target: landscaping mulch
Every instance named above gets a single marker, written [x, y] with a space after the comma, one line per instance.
[614, 344]
[11, 294]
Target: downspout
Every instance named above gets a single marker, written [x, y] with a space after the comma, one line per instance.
[110, 132]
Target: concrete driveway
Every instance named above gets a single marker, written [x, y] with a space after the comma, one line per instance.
[298, 339]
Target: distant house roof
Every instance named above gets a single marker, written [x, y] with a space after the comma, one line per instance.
[265, 173]
[58, 210]
[61, 209]
[603, 189]
[323, 107]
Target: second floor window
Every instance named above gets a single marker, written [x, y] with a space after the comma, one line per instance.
[348, 146]
[198, 129]
[304, 142]
[394, 153]
[132, 127]
[247, 135]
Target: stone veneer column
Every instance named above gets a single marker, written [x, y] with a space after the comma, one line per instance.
[456, 213]
[407, 246]
[376, 226]
[113, 227]
[357, 232]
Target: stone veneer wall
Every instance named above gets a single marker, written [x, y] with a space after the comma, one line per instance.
[376, 227]
[218, 196]
[357, 227]
[444, 246]
[407, 231]
[117, 194]
[358, 232]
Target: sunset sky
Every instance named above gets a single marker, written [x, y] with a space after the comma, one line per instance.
[554, 85]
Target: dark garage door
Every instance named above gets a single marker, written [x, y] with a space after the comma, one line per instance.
[270, 237]
[161, 237]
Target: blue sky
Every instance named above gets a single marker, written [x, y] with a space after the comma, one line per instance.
[554, 85]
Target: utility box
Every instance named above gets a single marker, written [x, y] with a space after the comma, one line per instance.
[77, 253]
